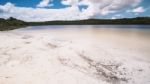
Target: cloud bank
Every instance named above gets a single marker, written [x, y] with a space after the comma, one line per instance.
[72, 12]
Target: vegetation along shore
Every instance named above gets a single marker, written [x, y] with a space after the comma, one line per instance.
[13, 23]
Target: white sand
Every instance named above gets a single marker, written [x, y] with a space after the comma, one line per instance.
[74, 57]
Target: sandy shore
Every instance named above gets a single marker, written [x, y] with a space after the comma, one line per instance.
[74, 57]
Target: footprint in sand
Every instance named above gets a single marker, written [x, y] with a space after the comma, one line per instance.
[27, 37]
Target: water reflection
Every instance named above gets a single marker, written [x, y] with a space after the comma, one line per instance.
[135, 38]
[89, 26]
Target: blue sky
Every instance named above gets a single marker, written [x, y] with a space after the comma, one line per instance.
[73, 9]
[31, 3]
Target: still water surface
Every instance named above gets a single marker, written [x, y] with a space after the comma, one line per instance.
[133, 39]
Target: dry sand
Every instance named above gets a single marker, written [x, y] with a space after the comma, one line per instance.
[73, 56]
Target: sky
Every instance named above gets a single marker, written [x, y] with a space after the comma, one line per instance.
[49, 10]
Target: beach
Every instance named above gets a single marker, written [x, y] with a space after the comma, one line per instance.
[75, 56]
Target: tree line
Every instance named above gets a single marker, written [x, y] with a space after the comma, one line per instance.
[13, 23]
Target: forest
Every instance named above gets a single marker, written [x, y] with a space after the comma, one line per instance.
[13, 23]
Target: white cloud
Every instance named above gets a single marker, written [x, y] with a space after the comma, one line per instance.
[94, 8]
[104, 7]
[138, 10]
[70, 2]
[44, 3]
[42, 14]
[117, 16]
[7, 7]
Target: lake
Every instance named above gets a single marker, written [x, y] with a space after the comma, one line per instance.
[129, 37]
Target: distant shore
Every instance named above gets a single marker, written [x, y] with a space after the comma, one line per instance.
[12, 23]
